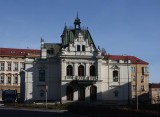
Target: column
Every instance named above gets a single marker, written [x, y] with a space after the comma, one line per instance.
[12, 80]
[19, 66]
[12, 67]
[99, 64]
[87, 69]
[87, 93]
[75, 69]
[5, 67]
[5, 79]
[19, 79]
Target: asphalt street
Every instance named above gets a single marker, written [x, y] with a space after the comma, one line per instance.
[22, 112]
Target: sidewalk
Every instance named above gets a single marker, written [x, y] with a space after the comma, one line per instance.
[30, 109]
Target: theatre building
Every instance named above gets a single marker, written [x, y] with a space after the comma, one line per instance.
[75, 70]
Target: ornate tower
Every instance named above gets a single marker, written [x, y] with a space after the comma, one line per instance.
[77, 23]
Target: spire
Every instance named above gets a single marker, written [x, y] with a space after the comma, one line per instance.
[77, 15]
[77, 22]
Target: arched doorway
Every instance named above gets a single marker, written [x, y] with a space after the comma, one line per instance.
[81, 93]
[69, 93]
[93, 93]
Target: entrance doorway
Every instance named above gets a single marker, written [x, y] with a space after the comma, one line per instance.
[93, 93]
[69, 93]
[81, 93]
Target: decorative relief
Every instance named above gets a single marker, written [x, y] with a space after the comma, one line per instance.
[42, 67]
[114, 67]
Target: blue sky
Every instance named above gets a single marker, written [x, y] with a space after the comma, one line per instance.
[129, 27]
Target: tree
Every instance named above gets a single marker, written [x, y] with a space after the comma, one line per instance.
[104, 51]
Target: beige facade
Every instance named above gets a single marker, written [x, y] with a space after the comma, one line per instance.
[154, 92]
[11, 63]
[140, 82]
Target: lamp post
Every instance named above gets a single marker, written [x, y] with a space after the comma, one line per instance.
[137, 86]
[128, 81]
[46, 95]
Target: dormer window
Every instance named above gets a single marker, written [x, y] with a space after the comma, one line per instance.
[83, 48]
[78, 48]
[22, 52]
[12, 51]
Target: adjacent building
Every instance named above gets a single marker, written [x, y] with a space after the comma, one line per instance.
[11, 62]
[139, 77]
[154, 93]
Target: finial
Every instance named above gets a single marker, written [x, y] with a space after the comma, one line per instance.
[65, 26]
[42, 40]
[77, 14]
[98, 47]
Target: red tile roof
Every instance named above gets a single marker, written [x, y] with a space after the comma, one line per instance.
[154, 85]
[133, 59]
[18, 52]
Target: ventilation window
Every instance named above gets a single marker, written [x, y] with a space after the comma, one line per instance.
[78, 47]
[83, 48]
[13, 52]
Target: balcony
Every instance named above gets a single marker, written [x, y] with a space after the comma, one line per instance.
[82, 79]
[146, 73]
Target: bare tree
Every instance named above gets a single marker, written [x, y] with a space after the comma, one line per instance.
[104, 51]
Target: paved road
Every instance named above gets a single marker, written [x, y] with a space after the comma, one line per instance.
[15, 112]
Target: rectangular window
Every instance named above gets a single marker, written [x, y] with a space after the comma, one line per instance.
[2, 66]
[2, 79]
[78, 48]
[134, 88]
[134, 78]
[41, 75]
[132, 69]
[15, 80]
[22, 66]
[83, 48]
[9, 80]
[142, 88]
[9, 66]
[142, 79]
[146, 69]
[16, 66]
[115, 76]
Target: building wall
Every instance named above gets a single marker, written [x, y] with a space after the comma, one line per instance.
[121, 86]
[142, 94]
[13, 73]
[34, 87]
[155, 95]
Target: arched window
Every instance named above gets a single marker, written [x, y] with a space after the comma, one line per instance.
[92, 70]
[80, 70]
[115, 76]
[69, 70]
[69, 92]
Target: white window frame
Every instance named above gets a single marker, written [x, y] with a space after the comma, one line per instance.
[9, 81]
[2, 66]
[134, 78]
[9, 66]
[16, 79]
[2, 79]
[16, 66]
[142, 79]
[132, 69]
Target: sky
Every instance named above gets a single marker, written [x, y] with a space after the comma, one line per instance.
[130, 27]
